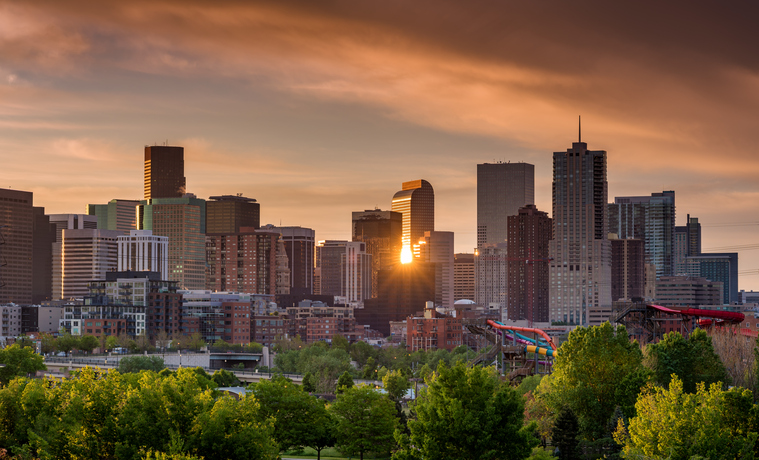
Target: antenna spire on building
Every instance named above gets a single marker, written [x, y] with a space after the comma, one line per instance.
[579, 128]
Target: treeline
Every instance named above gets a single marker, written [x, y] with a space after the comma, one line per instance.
[326, 362]
[606, 397]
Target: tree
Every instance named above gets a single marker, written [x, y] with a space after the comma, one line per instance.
[674, 424]
[196, 342]
[48, 343]
[224, 378]
[162, 340]
[142, 342]
[590, 367]
[396, 384]
[693, 360]
[299, 418]
[736, 353]
[141, 363]
[111, 342]
[467, 413]
[308, 384]
[564, 435]
[67, 342]
[338, 341]
[88, 343]
[365, 421]
[345, 381]
[19, 361]
[361, 352]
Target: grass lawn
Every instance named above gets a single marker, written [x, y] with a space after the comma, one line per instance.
[328, 454]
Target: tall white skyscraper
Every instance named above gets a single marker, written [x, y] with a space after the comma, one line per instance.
[580, 269]
[142, 251]
[86, 255]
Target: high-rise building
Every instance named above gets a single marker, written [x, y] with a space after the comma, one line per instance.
[229, 213]
[416, 203]
[299, 246]
[183, 221]
[329, 260]
[721, 267]
[463, 277]
[283, 269]
[356, 273]
[437, 248]
[16, 246]
[42, 257]
[502, 188]
[628, 269]
[243, 262]
[491, 285]
[651, 219]
[687, 291]
[164, 172]
[528, 235]
[404, 290]
[116, 215]
[141, 251]
[381, 231]
[580, 270]
[85, 255]
[63, 222]
[687, 243]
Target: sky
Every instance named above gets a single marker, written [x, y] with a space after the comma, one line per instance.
[318, 109]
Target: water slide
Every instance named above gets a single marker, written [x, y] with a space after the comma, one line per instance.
[727, 316]
[501, 326]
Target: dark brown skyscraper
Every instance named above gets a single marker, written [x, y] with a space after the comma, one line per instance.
[16, 231]
[229, 213]
[164, 172]
[628, 259]
[416, 202]
[529, 233]
[42, 259]
[381, 231]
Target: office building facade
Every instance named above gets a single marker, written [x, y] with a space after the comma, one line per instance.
[721, 267]
[490, 278]
[16, 246]
[463, 277]
[502, 188]
[651, 219]
[381, 231]
[580, 269]
[529, 233]
[438, 248]
[182, 221]
[164, 172]
[85, 255]
[141, 251]
[299, 245]
[416, 203]
[227, 214]
[628, 269]
[243, 262]
[116, 215]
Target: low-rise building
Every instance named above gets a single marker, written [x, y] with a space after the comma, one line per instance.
[432, 331]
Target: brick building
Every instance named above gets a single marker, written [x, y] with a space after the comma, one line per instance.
[433, 331]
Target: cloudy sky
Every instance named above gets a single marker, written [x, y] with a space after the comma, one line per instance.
[317, 109]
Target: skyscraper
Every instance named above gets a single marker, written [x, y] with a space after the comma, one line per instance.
[490, 284]
[580, 272]
[722, 267]
[329, 259]
[245, 261]
[416, 203]
[164, 172]
[628, 269]
[229, 213]
[651, 219]
[42, 257]
[437, 248]
[687, 243]
[528, 235]
[86, 255]
[502, 188]
[116, 215]
[381, 231]
[183, 221]
[463, 277]
[16, 232]
[299, 246]
[63, 222]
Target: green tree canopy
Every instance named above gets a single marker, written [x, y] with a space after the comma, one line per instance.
[344, 382]
[468, 413]
[299, 418]
[674, 424]
[365, 421]
[587, 373]
[19, 361]
[88, 343]
[141, 363]
[224, 378]
[564, 435]
[396, 383]
[693, 360]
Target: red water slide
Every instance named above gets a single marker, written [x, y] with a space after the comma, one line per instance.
[540, 332]
[729, 316]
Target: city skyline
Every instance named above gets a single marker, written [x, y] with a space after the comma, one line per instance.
[317, 113]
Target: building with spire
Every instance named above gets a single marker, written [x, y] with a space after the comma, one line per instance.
[580, 269]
